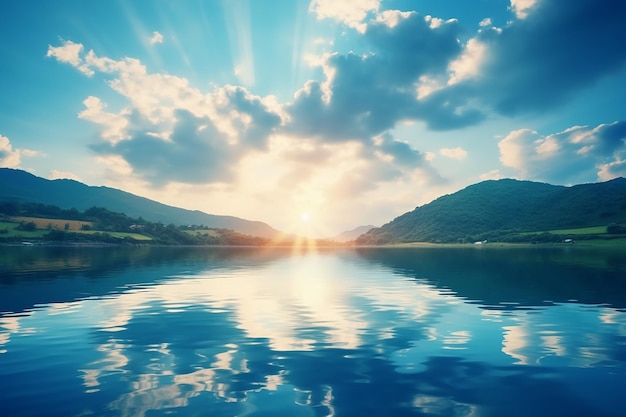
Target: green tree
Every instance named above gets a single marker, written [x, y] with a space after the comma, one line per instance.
[615, 228]
[27, 227]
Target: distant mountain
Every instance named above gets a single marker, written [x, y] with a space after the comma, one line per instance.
[495, 207]
[352, 234]
[18, 185]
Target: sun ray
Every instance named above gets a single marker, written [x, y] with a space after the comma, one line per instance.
[237, 16]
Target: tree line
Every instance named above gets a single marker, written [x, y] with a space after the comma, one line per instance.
[105, 222]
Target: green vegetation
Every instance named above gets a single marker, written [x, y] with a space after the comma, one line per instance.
[494, 211]
[586, 234]
[595, 230]
[45, 223]
[617, 242]
[119, 235]
[63, 194]
[512, 211]
[11, 231]
[96, 225]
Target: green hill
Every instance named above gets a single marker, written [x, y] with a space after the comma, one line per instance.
[21, 186]
[503, 208]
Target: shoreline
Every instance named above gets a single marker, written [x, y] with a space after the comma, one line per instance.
[591, 243]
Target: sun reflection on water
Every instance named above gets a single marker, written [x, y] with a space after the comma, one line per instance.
[304, 334]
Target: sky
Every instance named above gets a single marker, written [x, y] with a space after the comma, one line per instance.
[313, 116]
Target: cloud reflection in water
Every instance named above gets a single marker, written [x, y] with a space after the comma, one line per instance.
[324, 334]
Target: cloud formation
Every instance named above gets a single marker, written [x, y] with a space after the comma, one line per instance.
[156, 38]
[194, 152]
[367, 94]
[56, 174]
[416, 67]
[70, 53]
[412, 68]
[522, 8]
[338, 136]
[172, 132]
[557, 48]
[350, 12]
[10, 157]
[570, 156]
[454, 153]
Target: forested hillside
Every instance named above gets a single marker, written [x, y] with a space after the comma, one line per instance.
[503, 209]
[21, 186]
[47, 223]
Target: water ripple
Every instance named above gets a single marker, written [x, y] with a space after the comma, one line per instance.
[325, 334]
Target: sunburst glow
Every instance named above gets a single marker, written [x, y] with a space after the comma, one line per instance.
[312, 116]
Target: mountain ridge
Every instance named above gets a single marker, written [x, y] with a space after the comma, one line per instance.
[349, 235]
[20, 185]
[497, 206]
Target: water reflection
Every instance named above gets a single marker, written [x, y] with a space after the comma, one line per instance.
[338, 333]
[514, 278]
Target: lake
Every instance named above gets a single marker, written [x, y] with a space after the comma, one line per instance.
[474, 331]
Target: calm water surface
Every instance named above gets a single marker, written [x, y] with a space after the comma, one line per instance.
[380, 332]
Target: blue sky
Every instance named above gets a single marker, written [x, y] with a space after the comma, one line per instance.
[351, 111]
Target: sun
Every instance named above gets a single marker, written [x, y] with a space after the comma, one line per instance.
[305, 216]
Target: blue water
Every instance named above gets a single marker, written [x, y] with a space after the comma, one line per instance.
[380, 332]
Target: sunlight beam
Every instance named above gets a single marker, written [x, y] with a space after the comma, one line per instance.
[237, 17]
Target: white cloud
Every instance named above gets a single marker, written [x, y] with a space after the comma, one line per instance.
[8, 157]
[187, 142]
[428, 85]
[454, 153]
[468, 64]
[156, 38]
[127, 66]
[516, 149]
[152, 96]
[486, 22]
[11, 158]
[113, 125]
[70, 53]
[429, 156]
[350, 12]
[402, 85]
[29, 153]
[56, 174]
[522, 8]
[569, 156]
[613, 169]
[528, 63]
[405, 67]
[494, 174]
[194, 136]
[165, 117]
[391, 18]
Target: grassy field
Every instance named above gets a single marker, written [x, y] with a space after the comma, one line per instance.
[44, 226]
[59, 224]
[120, 235]
[618, 242]
[599, 243]
[597, 230]
[12, 232]
[596, 236]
